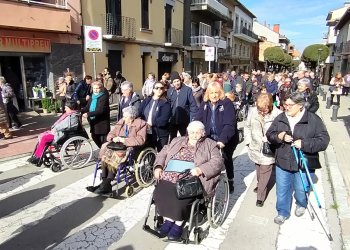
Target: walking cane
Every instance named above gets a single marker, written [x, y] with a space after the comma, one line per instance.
[329, 236]
[304, 185]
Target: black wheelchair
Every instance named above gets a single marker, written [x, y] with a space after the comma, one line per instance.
[72, 151]
[136, 169]
[206, 212]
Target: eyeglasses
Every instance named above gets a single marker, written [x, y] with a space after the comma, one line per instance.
[290, 105]
[161, 88]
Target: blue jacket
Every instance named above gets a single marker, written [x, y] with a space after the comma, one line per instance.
[186, 107]
[83, 89]
[271, 87]
[225, 119]
[163, 114]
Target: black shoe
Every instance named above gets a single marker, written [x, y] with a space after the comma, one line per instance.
[255, 190]
[231, 186]
[33, 160]
[259, 203]
[105, 187]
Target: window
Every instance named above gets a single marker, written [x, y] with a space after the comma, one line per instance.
[240, 50]
[144, 14]
[244, 51]
[235, 49]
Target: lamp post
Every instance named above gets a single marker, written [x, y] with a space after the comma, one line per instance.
[216, 40]
[318, 61]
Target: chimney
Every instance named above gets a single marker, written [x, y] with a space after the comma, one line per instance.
[276, 28]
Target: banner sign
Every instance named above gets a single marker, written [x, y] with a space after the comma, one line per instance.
[24, 44]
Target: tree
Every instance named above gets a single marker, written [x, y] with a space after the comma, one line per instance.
[274, 55]
[315, 53]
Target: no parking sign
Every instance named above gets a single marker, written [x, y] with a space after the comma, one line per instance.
[93, 38]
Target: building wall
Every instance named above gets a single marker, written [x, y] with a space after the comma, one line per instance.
[341, 63]
[262, 30]
[242, 16]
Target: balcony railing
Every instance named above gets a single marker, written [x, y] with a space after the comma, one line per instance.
[174, 36]
[120, 26]
[207, 41]
[213, 4]
[346, 48]
[245, 31]
[52, 3]
[225, 53]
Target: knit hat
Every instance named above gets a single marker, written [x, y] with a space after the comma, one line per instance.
[174, 75]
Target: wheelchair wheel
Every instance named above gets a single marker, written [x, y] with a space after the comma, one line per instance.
[47, 160]
[129, 191]
[56, 167]
[76, 152]
[218, 204]
[144, 167]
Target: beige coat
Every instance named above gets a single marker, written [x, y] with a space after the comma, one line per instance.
[254, 131]
[207, 157]
[136, 137]
[338, 85]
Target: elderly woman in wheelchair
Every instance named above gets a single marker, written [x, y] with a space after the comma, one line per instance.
[127, 136]
[70, 120]
[194, 152]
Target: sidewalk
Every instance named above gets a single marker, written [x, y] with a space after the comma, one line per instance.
[25, 139]
[338, 158]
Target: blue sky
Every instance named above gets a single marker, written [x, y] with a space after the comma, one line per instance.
[302, 21]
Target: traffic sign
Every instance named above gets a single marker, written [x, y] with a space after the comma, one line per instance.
[209, 54]
[93, 38]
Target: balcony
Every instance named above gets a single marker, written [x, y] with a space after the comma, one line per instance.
[345, 48]
[34, 15]
[212, 7]
[227, 53]
[173, 37]
[245, 34]
[207, 41]
[119, 27]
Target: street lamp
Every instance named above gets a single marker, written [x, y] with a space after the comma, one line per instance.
[318, 61]
[216, 40]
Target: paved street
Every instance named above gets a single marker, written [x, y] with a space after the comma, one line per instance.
[45, 210]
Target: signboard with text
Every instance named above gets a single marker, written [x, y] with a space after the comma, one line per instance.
[25, 44]
[167, 57]
[93, 38]
[209, 54]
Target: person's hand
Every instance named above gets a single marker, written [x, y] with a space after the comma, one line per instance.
[196, 171]
[157, 173]
[220, 144]
[115, 139]
[85, 115]
[87, 98]
[78, 102]
[264, 139]
[297, 144]
[119, 139]
[283, 136]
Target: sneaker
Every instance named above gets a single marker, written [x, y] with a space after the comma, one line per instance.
[279, 219]
[299, 211]
[255, 190]
[259, 203]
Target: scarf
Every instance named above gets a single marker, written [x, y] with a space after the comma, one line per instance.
[94, 103]
[196, 89]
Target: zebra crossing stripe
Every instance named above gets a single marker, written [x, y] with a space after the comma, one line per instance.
[28, 216]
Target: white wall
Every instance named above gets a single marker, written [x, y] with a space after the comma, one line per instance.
[262, 30]
[242, 16]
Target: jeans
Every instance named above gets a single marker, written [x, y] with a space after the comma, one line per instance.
[286, 183]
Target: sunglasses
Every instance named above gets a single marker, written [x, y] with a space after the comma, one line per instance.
[161, 88]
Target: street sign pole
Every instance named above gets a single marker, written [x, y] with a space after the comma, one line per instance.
[94, 62]
[209, 67]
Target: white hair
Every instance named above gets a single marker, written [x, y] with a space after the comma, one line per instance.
[195, 125]
[2, 79]
[127, 85]
[130, 111]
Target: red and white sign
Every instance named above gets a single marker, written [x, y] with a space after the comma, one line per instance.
[93, 38]
[209, 54]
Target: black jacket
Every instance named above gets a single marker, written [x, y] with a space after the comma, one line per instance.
[135, 101]
[163, 114]
[225, 119]
[101, 124]
[314, 138]
[312, 103]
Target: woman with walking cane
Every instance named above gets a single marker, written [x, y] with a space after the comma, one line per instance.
[305, 131]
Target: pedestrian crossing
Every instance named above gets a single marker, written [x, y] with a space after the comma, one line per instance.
[67, 216]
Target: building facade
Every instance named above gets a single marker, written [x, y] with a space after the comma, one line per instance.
[139, 37]
[40, 41]
[342, 48]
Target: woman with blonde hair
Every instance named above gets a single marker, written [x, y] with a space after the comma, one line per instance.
[258, 122]
[217, 113]
[336, 83]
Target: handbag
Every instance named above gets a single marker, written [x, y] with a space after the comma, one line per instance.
[266, 149]
[188, 186]
[331, 88]
[116, 146]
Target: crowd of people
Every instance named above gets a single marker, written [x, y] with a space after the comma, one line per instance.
[280, 109]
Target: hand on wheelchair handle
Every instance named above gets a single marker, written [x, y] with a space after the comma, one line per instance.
[196, 171]
[157, 173]
[220, 145]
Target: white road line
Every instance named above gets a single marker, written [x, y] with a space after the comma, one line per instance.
[12, 164]
[31, 215]
[26, 181]
[111, 225]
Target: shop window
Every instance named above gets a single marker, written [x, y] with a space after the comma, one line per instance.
[144, 14]
[35, 72]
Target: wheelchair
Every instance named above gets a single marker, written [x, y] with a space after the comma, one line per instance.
[72, 151]
[206, 212]
[131, 171]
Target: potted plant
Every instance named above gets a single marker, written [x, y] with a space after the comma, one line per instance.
[45, 103]
[43, 91]
[35, 90]
[54, 106]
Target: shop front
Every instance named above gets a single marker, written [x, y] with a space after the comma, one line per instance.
[166, 60]
[23, 63]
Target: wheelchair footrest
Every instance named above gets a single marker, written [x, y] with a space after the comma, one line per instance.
[152, 231]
